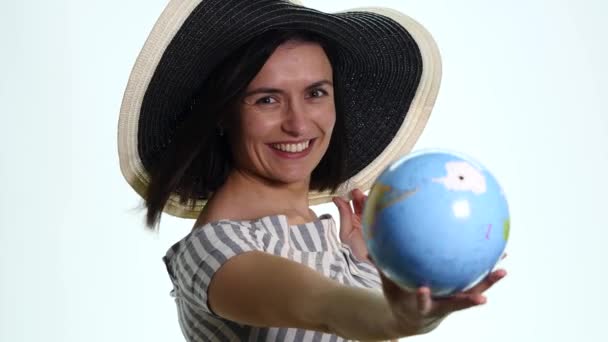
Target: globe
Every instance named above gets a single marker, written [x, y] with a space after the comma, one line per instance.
[436, 218]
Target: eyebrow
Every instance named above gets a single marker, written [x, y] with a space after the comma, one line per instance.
[265, 90]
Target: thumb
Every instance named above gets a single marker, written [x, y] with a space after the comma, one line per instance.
[346, 212]
[359, 199]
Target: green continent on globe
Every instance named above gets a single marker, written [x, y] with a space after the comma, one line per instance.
[392, 196]
[381, 197]
[373, 202]
[506, 227]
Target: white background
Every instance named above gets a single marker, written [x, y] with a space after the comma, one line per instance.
[524, 91]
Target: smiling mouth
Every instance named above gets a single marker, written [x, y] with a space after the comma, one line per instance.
[293, 147]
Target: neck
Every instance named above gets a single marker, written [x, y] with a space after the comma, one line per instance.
[246, 196]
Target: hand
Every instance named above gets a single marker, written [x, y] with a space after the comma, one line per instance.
[416, 312]
[351, 231]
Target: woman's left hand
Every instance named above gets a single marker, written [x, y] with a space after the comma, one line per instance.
[351, 230]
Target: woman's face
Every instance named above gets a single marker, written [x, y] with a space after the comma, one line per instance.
[287, 115]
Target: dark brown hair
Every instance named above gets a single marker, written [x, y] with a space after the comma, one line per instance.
[198, 159]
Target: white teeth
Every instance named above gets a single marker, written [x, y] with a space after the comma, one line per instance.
[292, 148]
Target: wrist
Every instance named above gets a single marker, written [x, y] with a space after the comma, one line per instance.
[359, 314]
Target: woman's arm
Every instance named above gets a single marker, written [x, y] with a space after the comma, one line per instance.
[362, 314]
[260, 289]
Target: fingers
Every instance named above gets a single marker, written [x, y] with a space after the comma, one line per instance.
[422, 304]
[470, 298]
[343, 206]
[424, 301]
[457, 303]
[488, 282]
[358, 201]
[345, 212]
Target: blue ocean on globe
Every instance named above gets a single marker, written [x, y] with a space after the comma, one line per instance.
[437, 219]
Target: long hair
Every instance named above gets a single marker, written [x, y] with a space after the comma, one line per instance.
[198, 159]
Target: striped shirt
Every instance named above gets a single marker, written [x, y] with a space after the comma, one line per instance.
[192, 261]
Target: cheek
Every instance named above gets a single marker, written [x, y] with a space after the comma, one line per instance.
[327, 119]
[332, 119]
[255, 129]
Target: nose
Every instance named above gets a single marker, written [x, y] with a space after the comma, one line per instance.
[295, 119]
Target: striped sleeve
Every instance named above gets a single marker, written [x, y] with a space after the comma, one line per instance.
[206, 251]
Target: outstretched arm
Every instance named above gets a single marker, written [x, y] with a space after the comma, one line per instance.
[260, 289]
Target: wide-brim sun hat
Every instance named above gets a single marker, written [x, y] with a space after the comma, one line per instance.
[387, 64]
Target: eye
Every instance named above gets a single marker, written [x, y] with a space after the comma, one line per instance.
[318, 92]
[266, 100]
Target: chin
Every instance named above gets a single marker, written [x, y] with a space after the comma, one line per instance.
[292, 178]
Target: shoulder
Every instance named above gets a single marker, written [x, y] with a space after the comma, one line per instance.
[226, 237]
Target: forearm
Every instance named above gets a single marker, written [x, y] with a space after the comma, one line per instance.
[362, 314]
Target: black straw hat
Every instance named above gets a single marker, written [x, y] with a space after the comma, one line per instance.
[387, 64]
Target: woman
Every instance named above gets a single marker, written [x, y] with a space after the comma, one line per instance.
[241, 115]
